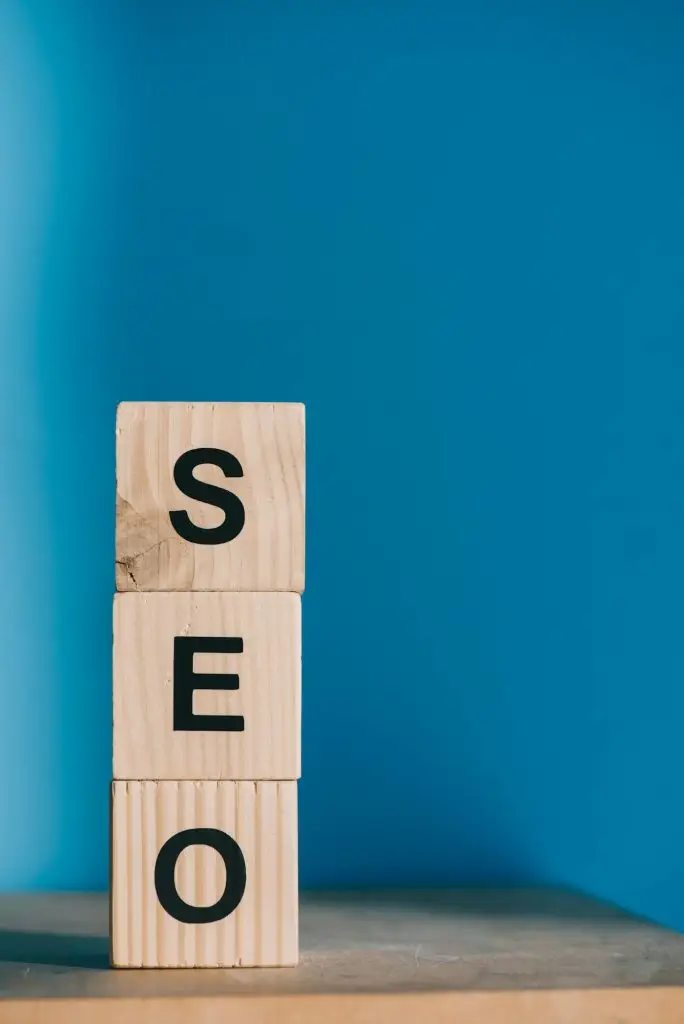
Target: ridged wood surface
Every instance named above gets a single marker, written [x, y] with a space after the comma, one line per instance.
[261, 817]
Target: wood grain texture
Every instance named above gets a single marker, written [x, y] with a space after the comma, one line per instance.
[607, 1006]
[268, 441]
[481, 956]
[261, 817]
[268, 697]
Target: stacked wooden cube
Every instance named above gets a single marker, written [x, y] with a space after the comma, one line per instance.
[207, 684]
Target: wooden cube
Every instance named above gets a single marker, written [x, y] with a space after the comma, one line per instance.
[204, 874]
[207, 686]
[210, 496]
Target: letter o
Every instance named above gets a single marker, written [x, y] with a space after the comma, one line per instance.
[165, 882]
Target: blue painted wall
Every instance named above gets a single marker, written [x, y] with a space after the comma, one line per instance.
[455, 231]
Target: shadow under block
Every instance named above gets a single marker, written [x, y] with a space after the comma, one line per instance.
[256, 819]
[172, 720]
[210, 496]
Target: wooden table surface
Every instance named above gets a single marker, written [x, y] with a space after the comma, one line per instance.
[486, 956]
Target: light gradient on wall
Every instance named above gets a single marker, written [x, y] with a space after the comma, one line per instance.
[453, 231]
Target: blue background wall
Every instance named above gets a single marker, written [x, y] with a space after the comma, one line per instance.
[455, 231]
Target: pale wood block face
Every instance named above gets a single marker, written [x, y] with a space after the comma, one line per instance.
[255, 824]
[168, 534]
[246, 723]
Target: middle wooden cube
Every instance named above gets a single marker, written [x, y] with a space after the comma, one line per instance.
[207, 685]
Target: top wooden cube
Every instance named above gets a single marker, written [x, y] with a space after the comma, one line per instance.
[210, 496]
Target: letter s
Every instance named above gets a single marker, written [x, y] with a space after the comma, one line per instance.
[210, 494]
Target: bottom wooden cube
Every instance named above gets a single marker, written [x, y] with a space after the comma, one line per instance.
[204, 874]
